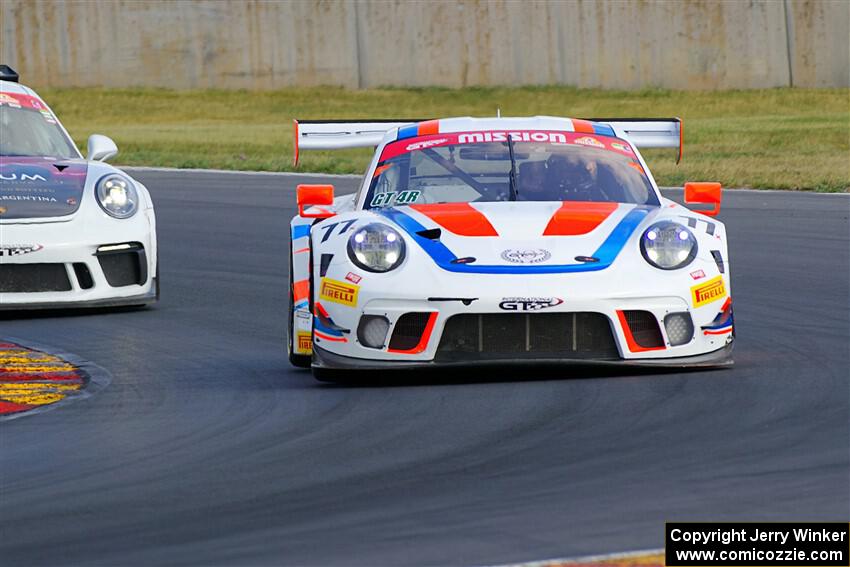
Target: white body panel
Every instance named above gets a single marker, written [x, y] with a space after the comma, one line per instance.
[423, 284]
[75, 239]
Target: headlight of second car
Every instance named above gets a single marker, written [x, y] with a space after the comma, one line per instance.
[376, 247]
[668, 245]
[117, 196]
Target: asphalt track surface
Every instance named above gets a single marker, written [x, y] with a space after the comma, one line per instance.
[208, 448]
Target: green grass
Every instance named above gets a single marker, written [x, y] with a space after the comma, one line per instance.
[777, 138]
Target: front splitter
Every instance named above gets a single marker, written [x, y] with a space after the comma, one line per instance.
[323, 359]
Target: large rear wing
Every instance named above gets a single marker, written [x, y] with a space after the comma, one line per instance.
[339, 134]
[649, 132]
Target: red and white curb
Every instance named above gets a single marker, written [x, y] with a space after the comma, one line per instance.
[644, 558]
[34, 378]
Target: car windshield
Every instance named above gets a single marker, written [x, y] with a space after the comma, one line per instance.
[471, 167]
[28, 128]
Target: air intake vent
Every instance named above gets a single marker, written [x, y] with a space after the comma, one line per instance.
[644, 328]
[408, 331]
[123, 264]
[30, 278]
[84, 279]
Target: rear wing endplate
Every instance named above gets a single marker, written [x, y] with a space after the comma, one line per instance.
[340, 134]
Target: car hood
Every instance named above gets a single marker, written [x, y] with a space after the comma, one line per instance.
[36, 187]
[521, 237]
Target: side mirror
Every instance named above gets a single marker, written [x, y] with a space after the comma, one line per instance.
[315, 196]
[101, 148]
[704, 194]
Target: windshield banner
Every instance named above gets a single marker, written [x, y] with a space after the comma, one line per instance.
[28, 102]
[540, 136]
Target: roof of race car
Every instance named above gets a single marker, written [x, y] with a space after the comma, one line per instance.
[469, 124]
[16, 88]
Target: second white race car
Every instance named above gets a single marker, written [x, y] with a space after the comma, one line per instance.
[493, 240]
[74, 232]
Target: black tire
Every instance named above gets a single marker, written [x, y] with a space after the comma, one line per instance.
[298, 360]
[156, 277]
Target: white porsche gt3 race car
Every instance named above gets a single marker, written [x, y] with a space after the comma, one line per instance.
[494, 240]
[74, 232]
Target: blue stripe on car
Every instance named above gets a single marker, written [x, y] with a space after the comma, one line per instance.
[407, 131]
[300, 230]
[602, 129]
[443, 256]
[317, 325]
[723, 320]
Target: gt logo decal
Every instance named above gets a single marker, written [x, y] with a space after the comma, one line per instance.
[18, 249]
[528, 303]
[339, 292]
[426, 144]
[304, 343]
[400, 198]
[710, 291]
[330, 228]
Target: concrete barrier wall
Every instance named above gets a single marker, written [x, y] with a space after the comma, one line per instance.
[252, 44]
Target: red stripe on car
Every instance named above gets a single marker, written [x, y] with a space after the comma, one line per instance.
[458, 218]
[574, 218]
[428, 127]
[329, 338]
[582, 126]
[300, 290]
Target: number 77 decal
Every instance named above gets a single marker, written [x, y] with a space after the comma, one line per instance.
[330, 228]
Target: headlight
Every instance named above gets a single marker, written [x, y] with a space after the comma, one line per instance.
[668, 245]
[376, 248]
[117, 196]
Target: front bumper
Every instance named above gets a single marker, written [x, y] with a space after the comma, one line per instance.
[71, 266]
[585, 331]
[621, 315]
[139, 300]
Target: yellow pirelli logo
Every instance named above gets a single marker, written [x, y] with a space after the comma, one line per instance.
[712, 290]
[304, 344]
[339, 292]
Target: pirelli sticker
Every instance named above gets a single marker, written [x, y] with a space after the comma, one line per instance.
[710, 291]
[339, 292]
[304, 343]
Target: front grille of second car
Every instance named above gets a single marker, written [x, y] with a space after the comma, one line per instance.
[122, 269]
[31, 278]
[495, 336]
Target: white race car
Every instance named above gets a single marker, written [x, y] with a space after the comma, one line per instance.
[494, 240]
[74, 232]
